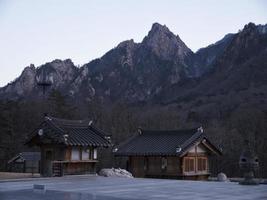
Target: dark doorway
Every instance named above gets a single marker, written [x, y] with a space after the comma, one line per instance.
[48, 163]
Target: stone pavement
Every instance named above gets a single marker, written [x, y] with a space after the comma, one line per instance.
[90, 187]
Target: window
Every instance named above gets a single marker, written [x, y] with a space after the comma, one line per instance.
[75, 154]
[202, 164]
[189, 164]
[164, 163]
[95, 154]
[85, 154]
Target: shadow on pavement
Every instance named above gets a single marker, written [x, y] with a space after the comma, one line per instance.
[51, 195]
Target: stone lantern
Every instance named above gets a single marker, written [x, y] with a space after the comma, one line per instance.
[248, 163]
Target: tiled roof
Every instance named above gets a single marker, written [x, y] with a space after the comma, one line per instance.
[159, 143]
[70, 132]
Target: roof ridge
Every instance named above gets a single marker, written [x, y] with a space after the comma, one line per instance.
[68, 120]
[194, 137]
[29, 152]
[174, 131]
[132, 137]
[100, 133]
[50, 122]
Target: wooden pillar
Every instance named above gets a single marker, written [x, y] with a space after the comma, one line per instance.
[196, 166]
[24, 166]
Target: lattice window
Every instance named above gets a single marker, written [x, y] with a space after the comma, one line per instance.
[75, 154]
[189, 164]
[86, 154]
[202, 164]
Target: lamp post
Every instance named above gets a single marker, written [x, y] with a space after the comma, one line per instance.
[248, 163]
[44, 81]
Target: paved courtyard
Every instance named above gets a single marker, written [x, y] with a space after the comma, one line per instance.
[98, 188]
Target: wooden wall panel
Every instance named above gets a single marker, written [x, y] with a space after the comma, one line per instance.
[68, 154]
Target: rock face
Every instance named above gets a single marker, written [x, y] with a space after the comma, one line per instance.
[62, 72]
[160, 69]
[25, 83]
[204, 58]
[136, 72]
[165, 44]
[115, 173]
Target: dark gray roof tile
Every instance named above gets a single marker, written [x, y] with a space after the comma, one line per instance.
[72, 132]
[154, 142]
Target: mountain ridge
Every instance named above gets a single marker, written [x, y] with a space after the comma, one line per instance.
[138, 72]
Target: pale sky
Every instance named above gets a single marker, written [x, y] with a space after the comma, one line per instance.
[36, 32]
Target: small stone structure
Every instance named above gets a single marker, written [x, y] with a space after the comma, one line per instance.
[248, 163]
[221, 177]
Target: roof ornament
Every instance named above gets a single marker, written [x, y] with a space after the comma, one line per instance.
[66, 137]
[178, 149]
[200, 129]
[46, 116]
[115, 150]
[107, 137]
[90, 123]
[40, 132]
[139, 130]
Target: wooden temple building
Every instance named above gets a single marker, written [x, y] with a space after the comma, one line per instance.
[181, 154]
[67, 146]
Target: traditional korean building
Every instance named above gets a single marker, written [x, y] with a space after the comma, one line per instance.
[68, 146]
[182, 154]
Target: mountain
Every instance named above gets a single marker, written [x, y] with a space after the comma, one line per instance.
[236, 79]
[204, 58]
[136, 72]
[160, 69]
[131, 71]
[242, 65]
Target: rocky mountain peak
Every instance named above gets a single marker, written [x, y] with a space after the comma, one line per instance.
[28, 70]
[61, 71]
[23, 85]
[156, 27]
[252, 29]
[62, 65]
[262, 29]
[249, 26]
[138, 72]
[245, 45]
[127, 44]
[251, 33]
[165, 44]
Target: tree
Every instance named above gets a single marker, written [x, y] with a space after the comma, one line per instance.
[58, 106]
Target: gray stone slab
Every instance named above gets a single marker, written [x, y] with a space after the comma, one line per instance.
[88, 187]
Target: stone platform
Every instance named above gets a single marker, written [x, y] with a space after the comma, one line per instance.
[93, 187]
